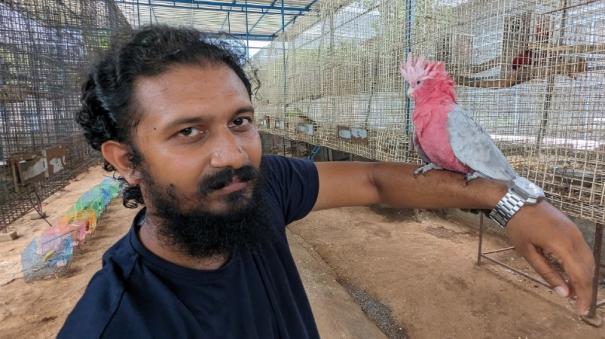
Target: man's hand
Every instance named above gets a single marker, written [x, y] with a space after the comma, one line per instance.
[541, 229]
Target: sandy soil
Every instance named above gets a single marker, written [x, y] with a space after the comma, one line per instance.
[413, 276]
[336, 313]
[423, 270]
[38, 309]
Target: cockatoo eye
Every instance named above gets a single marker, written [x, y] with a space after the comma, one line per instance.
[418, 82]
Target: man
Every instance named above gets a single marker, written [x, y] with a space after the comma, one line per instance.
[171, 111]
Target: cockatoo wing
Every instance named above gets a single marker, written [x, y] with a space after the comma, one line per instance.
[425, 159]
[475, 148]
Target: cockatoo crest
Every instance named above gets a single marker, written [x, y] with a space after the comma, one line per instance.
[419, 69]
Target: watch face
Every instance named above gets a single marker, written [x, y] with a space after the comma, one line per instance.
[529, 188]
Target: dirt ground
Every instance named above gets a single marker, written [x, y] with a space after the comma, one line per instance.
[423, 270]
[412, 276]
[38, 309]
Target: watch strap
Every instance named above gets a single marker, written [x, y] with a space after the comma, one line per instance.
[510, 204]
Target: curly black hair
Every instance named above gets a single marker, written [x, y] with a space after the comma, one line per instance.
[108, 110]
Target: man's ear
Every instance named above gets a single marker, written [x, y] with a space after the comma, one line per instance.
[119, 156]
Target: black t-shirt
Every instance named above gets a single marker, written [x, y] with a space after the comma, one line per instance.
[256, 294]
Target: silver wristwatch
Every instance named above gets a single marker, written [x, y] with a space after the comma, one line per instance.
[521, 192]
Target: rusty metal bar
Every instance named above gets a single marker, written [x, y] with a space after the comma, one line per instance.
[516, 271]
[479, 254]
[500, 250]
[598, 240]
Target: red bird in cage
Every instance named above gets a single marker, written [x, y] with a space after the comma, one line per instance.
[528, 56]
[525, 58]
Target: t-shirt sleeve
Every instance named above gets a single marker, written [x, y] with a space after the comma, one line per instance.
[295, 184]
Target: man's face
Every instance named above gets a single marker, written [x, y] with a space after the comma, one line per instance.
[197, 121]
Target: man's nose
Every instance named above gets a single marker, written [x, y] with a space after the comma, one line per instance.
[227, 151]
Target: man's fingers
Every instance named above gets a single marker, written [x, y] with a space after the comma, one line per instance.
[580, 269]
[550, 274]
[556, 234]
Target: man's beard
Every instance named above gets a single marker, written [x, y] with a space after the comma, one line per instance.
[200, 233]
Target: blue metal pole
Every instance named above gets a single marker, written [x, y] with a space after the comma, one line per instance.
[242, 36]
[308, 8]
[191, 16]
[409, 8]
[247, 34]
[261, 17]
[229, 21]
[283, 44]
[226, 17]
[235, 7]
[138, 15]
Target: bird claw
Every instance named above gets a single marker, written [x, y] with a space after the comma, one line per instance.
[426, 168]
[471, 176]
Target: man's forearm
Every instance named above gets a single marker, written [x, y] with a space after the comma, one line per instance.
[398, 187]
[551, 232]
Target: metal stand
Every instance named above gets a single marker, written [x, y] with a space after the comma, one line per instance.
[598, 238]
[596, 252]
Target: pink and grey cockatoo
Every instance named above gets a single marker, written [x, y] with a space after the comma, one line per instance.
[446, 137]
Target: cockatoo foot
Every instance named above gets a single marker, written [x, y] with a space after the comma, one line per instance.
[426, 168]
[471, 176]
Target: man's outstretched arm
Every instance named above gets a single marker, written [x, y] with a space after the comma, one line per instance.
[534, 230]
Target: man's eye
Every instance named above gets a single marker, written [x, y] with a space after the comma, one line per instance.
[241, 121]
[189, 132]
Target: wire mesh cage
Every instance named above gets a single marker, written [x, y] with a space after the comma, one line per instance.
[342, 89]
[532, 73]
[45, 46]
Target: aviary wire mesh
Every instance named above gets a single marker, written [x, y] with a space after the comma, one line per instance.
[531, 72]
[45, 47]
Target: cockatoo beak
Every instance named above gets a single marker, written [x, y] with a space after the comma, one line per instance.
[410, 91]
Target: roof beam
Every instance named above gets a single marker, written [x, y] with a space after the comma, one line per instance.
[242, 36]
[261, 17]
[293, 19]
[227, 20]
[219, 6]
[237, 5]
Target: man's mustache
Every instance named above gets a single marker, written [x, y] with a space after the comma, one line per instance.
[226, 176]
